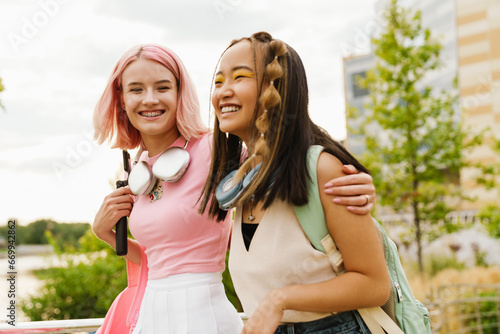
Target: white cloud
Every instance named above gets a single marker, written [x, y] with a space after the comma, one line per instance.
[55, 58]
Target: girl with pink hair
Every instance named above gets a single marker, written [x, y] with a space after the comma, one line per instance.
[150, 103]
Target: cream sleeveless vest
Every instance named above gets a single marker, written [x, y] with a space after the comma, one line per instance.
[279, 255]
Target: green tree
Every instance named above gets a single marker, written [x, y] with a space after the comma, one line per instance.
[489, 214]
[413, 138]
[34, 233]
[65, 234]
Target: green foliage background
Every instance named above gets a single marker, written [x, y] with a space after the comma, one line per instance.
[88, 282]
[414, 139]
[65, 235]
[84, 287]
[489, 178]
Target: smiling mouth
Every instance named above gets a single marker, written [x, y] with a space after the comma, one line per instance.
[225, 110]
[152, 113]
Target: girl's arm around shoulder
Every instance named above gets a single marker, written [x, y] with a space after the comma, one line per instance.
[366, 280]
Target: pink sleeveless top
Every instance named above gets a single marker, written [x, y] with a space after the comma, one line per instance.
[177, 239]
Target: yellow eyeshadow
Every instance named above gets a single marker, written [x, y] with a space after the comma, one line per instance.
[219, 78]
[243, 73]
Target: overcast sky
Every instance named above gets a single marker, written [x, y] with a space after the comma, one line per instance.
[56, 56]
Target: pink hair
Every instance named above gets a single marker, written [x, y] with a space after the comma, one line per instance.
[111, 121]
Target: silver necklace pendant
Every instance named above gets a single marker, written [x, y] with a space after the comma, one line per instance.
[250, 217]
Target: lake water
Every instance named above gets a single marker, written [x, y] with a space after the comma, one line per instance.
[28, 258]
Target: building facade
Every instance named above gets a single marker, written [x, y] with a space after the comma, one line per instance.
[478, 36]
[356, 97]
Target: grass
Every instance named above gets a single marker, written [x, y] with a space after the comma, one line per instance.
[425, 288]
[424, 285]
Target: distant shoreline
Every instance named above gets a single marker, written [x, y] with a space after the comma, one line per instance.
[25, 250]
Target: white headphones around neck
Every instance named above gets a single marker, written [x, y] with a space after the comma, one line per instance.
[170, 166]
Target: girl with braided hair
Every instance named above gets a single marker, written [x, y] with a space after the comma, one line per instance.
[150, 103]
[260, 99]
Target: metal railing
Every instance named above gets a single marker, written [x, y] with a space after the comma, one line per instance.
[455, 309]
[59, 326]
[466, 308]
[54, 326]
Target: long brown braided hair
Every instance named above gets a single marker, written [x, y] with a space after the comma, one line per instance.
[282, 134]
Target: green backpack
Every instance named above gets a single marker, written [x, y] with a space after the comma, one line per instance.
[402, 313]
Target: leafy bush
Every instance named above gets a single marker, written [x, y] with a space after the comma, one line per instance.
[481, 312]
[490, 218]
[437, 263]
[84, 287]
[78, 290]
[229, 288]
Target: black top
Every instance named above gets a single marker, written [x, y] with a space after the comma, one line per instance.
[248, 230]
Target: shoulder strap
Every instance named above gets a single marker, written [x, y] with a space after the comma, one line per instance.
[311, 216]
[312, 219]
[140, 280]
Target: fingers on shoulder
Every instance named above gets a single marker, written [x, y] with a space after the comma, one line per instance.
[329, 167]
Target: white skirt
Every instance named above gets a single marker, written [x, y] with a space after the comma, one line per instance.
[187, 303]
